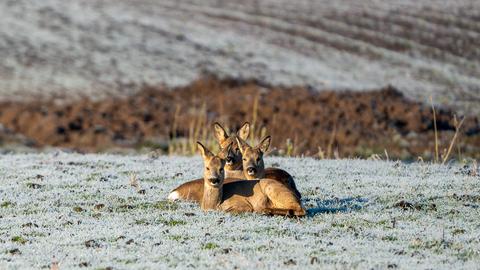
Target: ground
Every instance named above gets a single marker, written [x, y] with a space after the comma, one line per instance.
[80, 210]
[96, 49]
[327, 123]
[286, 66]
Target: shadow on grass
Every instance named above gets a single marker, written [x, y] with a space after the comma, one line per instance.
[318, 206]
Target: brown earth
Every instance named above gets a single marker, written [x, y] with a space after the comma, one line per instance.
[348, 123]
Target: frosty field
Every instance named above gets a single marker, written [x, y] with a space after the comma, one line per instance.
[71, 49]
[80, 211]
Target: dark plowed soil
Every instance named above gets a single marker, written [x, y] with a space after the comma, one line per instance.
[349, 123]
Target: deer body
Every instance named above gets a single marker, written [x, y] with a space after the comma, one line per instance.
[193, 190]
[254, 167]
[265, 196]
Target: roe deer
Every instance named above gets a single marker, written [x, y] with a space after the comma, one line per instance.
[265, 196]
[233, 157]
[193, 190]
[234, 170]
[254, 167]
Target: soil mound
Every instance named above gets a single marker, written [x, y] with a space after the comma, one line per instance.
[300, 120]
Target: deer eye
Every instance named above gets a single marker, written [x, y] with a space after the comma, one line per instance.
[244, 159]
[208, 169]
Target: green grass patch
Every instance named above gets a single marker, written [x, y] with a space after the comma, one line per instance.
[78, 209]
[389, 238]
[33, 185]
[271, 231]
[127, 261]
[210, 245]
[468, 254]
[93, 177]
[167, 222]
[178, 238]
[36, 234]
[172, 222]
[6, 204]
[141, 222]
[19, 239]
[165, 205]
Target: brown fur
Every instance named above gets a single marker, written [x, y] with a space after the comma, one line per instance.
[254, 167]
[233, 155]
[265, 196]
[193, 190]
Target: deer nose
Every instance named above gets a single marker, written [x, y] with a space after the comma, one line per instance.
[251, 170]
[214, 181]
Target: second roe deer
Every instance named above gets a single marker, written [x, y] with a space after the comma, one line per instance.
[254, 167]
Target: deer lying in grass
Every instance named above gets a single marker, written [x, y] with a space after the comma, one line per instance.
[254, 167]
[233, 156]
[265, 196]
[193, 190]
[234, 169]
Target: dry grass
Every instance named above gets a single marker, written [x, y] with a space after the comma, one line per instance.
[458, 126]
[435, 129]
[201, 130]
[447, 152]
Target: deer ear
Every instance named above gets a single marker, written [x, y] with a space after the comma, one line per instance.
[223, 153]
[204, 151]
[244, 131]
[264, 144]
[220, 133]
[229, 147]
[242, 145]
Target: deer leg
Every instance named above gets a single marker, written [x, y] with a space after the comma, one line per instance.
[284, 212]
[237, 208]
[281, 197]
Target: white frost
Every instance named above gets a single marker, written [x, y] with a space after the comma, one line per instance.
[81, 209]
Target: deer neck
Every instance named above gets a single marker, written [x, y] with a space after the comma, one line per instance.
[212, 197]
[261, 175]
[236, 167]
[238, 174]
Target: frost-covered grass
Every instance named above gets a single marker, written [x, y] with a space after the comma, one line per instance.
[81, 210]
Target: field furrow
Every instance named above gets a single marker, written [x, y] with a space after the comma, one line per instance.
[114, 48]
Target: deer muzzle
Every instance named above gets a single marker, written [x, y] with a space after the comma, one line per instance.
[251, 171]
[214, 181]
